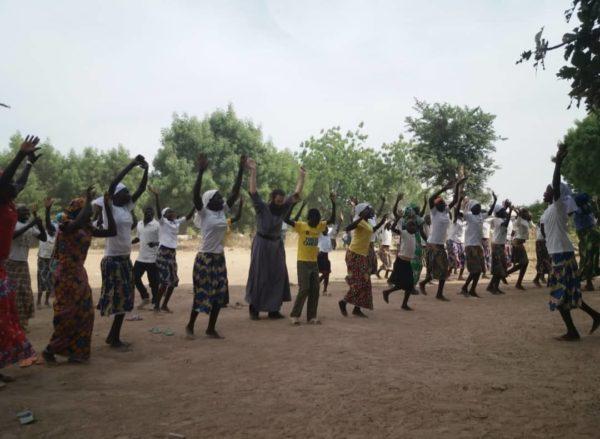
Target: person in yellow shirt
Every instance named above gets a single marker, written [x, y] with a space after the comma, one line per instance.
[360, 293]
[308, 269]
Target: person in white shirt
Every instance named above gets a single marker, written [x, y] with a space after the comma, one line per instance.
[373, 221]
[333, 232]
[147, 237]
[519, 256]
[46, 263]
[323, 262]
[475, 220]
[118, 288]
[564, 282]
[487, 250]
[543, 264]
[17, 267]
[211, 286]
[436, 252]
[499, 265]
[402, 277]
[385, 242]
[455, 246]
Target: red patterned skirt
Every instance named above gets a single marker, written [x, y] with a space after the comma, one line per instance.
[14, 345]
[359, 280]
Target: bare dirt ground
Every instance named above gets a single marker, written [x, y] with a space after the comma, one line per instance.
[484, 367]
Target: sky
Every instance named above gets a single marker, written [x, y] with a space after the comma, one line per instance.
[103, 73]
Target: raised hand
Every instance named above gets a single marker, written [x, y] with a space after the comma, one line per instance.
[90, 193]
[243, 160]
[48, 202]
[139, 160]
[562, 152]
[202, 162]
[250, 164]
[449, 185]
[332, 196]
[153, 190]
[29, 145]
[494, 196]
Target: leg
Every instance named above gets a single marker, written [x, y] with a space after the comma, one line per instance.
[595, 315]
[152, 272]
[522, 271]
[114, 336]
[325, 282]
[358, 312]
[189, 329]
[465, 288]
[138, 272]
[159, 295]
[473, 293]
[168, 294]
[212, 321]
[572, 334]
[405, 301]
[313, 297]
[423, 283]
[440, 291]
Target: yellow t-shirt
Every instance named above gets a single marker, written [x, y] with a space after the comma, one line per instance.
[308, 240]
[361, 238]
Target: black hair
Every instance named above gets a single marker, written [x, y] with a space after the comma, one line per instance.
[277, 192]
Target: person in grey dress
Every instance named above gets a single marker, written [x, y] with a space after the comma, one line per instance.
[268, 283]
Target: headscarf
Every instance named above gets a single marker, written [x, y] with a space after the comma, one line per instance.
[72, 210]
[359, 208]
[497, 207]
[100, 200]
[411, 209]
[437, 201]
[207, 196]
[566, 195]
[164, 211]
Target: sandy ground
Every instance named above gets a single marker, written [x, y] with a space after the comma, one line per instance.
[468, 368]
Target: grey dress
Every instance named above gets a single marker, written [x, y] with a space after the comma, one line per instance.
[268, 282]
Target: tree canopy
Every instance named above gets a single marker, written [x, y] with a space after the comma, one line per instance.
[580, 167]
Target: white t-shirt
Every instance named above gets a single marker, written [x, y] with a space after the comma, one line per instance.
[408, 245]
[148, 233]
[213, 226]
[499, 231]
[46, 249]
[119, 245]
[555, 220]
[333, 231]
[538, 232]
[373, 222]
[168, 232]
[324, 243]
[474, 230]
[521, 228]
[19, 249]
[509, 230]
[386, 236]
[439, 227]
[487, 229]
[456, 231]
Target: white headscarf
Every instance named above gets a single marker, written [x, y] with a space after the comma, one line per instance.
[359, 208]
[164, 211]
[471, 204]
[207, 196]
[566, 195]
[100, 200]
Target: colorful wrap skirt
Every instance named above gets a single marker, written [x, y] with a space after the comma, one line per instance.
[499, 264]
[402, 276]
[456, 254]
[45, 272]
[438, 261]
[211, 287]
[564, 283]
[18, 273]
[487, 254]
[385, 257]
[166, 263]
[544, 262]
[73, 314]
[117, 293]
[475, 259]
[589, 252]
[324, 263]
[358, 278]
[519, 252]
[14, 345]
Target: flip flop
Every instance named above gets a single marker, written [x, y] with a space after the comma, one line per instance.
[27, 362]
[155, 330]
[26, 417]
[168, 332]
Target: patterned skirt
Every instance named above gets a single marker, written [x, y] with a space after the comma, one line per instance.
[565, 288]
[385, 257]
[499, 265]
[589, 252]
[438, 261]
[402, 275]
[14, 345]
[544, 262]
[475, 259]
[211, 287]
[456, 254]
[166, 263]
[73, 314]
[117, 293]
[487, 254]
[519, 252]
[45, 267]
[417, 262]
[324, 263]
[18, 273]
[359, 280]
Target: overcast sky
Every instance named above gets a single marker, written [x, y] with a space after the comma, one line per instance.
[100, 73]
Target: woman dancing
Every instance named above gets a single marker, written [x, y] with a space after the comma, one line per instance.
[520, 259]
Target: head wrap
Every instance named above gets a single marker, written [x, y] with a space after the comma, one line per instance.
[411, 209]
[471, 204]
[582, 198]
[164, 211]
[74, 207]
[437, 201]
[208, 195]
[120, 187]
[359, 208]
[497, 207]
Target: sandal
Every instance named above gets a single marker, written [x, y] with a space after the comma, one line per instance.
[168, 332]
[155, 330]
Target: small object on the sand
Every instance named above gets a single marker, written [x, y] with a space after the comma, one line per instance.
[25, 417]
[155, 330]
[500, 387]
[168, 332]
[175, 436]
[478, 414]
[134, 318]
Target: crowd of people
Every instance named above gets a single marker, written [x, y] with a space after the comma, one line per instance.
[453, 237]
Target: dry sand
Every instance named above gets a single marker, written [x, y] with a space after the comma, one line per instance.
[468, 368]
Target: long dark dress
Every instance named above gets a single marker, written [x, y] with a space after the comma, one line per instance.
[268, 282]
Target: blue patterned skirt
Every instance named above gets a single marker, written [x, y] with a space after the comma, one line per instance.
[211, 287]
[166, 262]
[564, 283]
[117, 294]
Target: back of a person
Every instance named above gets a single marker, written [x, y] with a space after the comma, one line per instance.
[361, 238]
[555, 221]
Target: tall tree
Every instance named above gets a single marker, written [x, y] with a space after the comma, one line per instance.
[446, 137]
[581, 48]
[580, 167]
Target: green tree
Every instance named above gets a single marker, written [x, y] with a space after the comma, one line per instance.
[581, 50]
[446, 137]
[580, 167]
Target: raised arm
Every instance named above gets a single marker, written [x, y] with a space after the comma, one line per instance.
[154, 192]
[190, 214]
[457, 210]
[42, 236]
[381, 223]
[238, 215]
[251, 166]
[287, 218]
[143, 183]
[508, 215]
[21, 180]
[137, 161]
[424, 208]
[398, 199]
[29, 146]
[493, 205]
[560, 156]
[332, 197]
[457, 191]
[438, 193]
[235, 192]
[22, 230]
[110, 219]
[202, 163]
[381, 204]
[299, 184]
[51, 230]
[299, 213]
